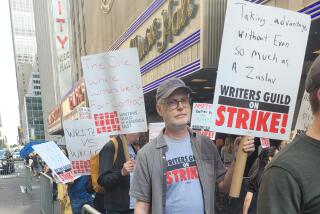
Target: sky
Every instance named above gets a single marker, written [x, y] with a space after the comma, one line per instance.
[9, 106]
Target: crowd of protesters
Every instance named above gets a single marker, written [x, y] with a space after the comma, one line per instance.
[181, 171]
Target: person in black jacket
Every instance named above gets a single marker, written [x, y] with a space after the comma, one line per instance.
[250, 202]
[116, 177]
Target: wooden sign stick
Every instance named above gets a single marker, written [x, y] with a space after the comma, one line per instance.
[238, 171]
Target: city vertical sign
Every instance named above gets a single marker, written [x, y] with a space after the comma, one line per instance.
[62, 43]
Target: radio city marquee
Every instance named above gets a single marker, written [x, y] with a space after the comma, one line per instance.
[54, 120]
[162, 30]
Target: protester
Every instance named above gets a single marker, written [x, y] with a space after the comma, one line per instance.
[282, 145]
[30, 159]
[142, 141]
[227, 151]
[255, 174]
[290, 183]
[46, 170]
[78, 194]
[116, 176]
[177, 172]
[219, 141]
[62, 192]
[27, 159]
[98, 201]
[63, 198]
[36, 166]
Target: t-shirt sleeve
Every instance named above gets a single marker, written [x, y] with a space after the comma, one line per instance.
[253, 185]
[140, 187]
[279, 192]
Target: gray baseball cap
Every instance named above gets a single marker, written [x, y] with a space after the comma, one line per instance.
[167, 87]
[313, 77]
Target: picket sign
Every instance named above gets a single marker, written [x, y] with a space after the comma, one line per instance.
[261, 47]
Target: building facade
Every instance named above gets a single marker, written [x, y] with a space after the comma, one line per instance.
[24, 72]
[23, 30]
[169, 48]
[53, 48]
[30, 103]
[33, 112]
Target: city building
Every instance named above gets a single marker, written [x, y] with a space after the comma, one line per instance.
[190, 53]
[34, 118]
[22, 18]
[27, 73]
[30, 103]
[24, 72]
[53, 48]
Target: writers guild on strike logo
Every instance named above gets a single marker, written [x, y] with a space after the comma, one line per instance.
[181, 169]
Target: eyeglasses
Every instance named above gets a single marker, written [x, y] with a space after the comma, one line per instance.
[174, 104]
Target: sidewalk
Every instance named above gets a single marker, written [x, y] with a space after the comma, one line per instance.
[13, 198]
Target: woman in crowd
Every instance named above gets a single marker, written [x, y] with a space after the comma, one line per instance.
[227, 151]
[77, 191]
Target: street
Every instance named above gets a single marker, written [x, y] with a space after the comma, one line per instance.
[13, 198]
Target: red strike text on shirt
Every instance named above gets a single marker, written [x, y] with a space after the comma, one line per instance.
[183, 174]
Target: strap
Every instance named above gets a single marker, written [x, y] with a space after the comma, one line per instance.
[116, 147]
[134, 149]
[125, 147]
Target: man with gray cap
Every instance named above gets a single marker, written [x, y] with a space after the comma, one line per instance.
[291, 182]
[178, 171]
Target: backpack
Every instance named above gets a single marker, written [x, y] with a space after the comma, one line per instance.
[94, 165]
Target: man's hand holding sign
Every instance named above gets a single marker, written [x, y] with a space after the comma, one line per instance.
[256, 51]
[244, 146]
[248, 144]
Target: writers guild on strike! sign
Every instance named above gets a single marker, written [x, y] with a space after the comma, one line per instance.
[242, 109]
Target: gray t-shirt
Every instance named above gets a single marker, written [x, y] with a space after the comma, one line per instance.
[133, 156]
[184, 193]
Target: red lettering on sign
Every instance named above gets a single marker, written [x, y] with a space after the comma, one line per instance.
[231, 112]
[275, 123]
[62, 41]
[284, 123]
[59, 7]
[253, 119]
[262, 121]
[242, 117]
[220, 114]
[61, 21]
[250, 119]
